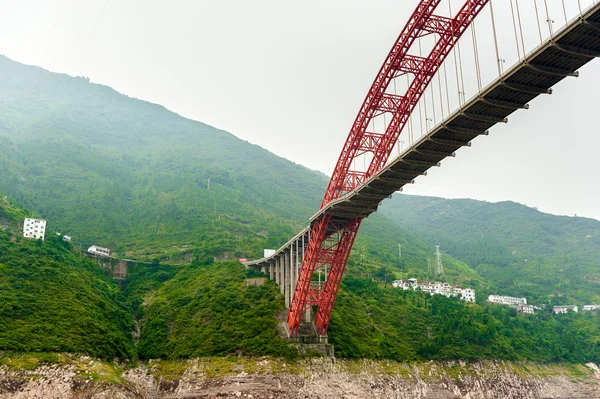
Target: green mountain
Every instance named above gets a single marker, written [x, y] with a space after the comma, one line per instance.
[52, 299]
[370, 321]
[11, 214]
[122, 173]
[522, 251]
[114, 171]
[205, 310]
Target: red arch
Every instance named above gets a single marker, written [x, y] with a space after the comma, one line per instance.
[331, 239]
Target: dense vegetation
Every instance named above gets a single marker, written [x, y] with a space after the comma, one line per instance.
[373, 322]
[119, 172]
[205, 310]
[114, 171]
[52, 299]
[523, 252]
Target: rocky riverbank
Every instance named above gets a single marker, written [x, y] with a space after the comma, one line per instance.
[83, 377]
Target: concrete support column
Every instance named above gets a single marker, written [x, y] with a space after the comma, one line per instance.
[271, 271]
[293, 272]
[277, 270]
[286, 278]
[297, 267]
[281, 274]
[263, 269]
[307, 316]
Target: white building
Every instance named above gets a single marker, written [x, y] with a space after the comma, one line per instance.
[507, 300]
[34, 228]
[268, 252]
[94, 249]
[588, 308]
[437, 288]
[405, 284]
[67, 238]
[565, 308]
[525, 309]
[468, 295]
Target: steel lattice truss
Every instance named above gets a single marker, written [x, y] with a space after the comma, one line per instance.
[331, 238]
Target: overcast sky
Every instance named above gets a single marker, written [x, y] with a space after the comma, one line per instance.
[290, 76]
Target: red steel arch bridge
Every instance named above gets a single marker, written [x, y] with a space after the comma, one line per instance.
[421, 80]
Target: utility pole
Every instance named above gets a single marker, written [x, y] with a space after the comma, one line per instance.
[440, 267]
[208, 185]
[400, 250]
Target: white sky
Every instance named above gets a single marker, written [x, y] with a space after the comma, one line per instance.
[290, 76]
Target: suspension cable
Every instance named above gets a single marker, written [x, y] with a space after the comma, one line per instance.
[462, 75]
[548, 19]
[521, 30]
[433, 104]
[420, 119]
[440, 89]
[512, 11]
[447, 90]
[495, 39]
[537, 18]
[433, 94]
[410, 130]
[395, 93]
[424, 97]
[455, 59]
[565, 12]
[476, 55]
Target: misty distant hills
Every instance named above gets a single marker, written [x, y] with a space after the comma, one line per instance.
[524, 251]
[117, 171]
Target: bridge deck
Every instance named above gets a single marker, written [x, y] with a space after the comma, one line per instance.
[572, 47]
[568, 50]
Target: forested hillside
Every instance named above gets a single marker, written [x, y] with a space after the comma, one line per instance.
[114, 171]
[118, 172]
[123, 173]
[370, 321]
[54, 300]
[522, 251]
[207, 310]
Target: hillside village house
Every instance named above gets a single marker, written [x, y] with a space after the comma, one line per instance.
[507, 300]
[34, 228]
[565, 308]
[525, 309]
[437, 288]
[588, 308]
[94, 249]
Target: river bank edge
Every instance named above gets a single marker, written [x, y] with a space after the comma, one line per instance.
[52, 375]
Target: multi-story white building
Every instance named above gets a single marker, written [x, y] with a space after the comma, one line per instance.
[565, 308]
[437, 288]
[34, 228]
[507, 300]
[405, 284]
[525, 309]
[587, 308]
[94, 249]
[468, 295]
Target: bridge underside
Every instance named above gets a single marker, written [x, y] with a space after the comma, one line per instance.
[560, 57]
[550, 63]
